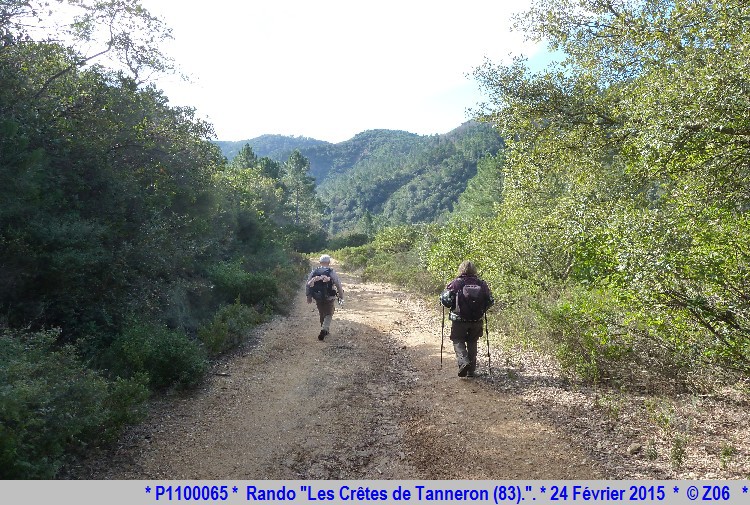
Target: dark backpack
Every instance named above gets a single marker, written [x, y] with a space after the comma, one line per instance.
[321, 290]
[471, 300]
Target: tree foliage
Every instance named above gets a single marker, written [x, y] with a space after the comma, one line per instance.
[281, 196]
[119, 224]
[626, 177]
[274, 147]
[381, 177]
[613, 225]
[417, 180]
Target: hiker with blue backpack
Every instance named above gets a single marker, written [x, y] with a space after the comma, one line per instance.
[468, 297]
[324, 286]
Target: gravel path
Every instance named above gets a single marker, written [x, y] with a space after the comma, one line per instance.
[370, 402]
[373, 402]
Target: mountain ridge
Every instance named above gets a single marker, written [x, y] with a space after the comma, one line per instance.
[395, 175]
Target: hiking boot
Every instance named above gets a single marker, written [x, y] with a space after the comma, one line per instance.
[463, 369]
[322, 334]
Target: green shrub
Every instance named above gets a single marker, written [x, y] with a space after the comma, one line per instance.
[232, 281]
[350, 240]
[727, 454]
[660, 413]
[678, 452]
[396, 256]
[397, 239]
[354, 257]
[303, 238]
[592, 343]
[229, 327]
[260, 288]
[168, 357]
[287, 279]
[51, 404]
[126, 403]
[402, 269]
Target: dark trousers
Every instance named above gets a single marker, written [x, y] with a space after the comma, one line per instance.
[325, 309]
[465, 337]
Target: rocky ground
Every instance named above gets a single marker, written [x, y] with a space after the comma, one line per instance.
[372, 401]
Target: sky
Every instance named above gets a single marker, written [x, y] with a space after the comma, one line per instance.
[330, 69]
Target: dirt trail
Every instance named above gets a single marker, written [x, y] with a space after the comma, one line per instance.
[370, 402]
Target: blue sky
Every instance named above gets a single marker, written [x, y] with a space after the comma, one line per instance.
[333, 68]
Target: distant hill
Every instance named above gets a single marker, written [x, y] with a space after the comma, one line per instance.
[396, 176]
[276, 147]
[418, 183]
[325, 157]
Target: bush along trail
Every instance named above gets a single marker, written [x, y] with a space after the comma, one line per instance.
[372, 402]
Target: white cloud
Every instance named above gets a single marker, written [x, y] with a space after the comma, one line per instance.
[333, 68]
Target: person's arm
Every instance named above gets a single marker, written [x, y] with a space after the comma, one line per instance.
[448, 296]
[311, 280]
[337, 283]
[308, 286]
[490, 299]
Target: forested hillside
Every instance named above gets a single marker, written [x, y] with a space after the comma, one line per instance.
[325, 158]
[275, 147]
[130, 252]
[386, 176]
[418, 186]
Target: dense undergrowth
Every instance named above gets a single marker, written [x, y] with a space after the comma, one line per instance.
[613, 226]
[131, 251]
[594, 333]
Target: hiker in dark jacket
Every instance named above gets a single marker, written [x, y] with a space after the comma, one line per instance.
[320, 287]
[468, 297]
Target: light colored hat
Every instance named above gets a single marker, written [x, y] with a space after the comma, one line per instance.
[325, 259]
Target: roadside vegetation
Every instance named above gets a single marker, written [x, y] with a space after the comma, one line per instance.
[613, 225]
[131, 251]
[607, 208]
[616, 225]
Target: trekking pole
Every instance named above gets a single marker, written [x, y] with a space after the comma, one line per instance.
[487, 333]
[442, 338]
